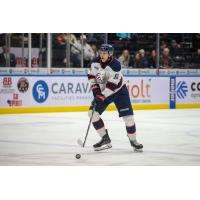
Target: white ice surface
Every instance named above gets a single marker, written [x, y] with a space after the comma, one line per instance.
[170, 137]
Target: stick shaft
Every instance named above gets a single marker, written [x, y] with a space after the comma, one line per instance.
[88, 126]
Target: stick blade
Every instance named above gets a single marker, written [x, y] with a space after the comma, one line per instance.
[79, 141]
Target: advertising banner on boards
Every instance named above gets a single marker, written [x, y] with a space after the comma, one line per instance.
[47, 91]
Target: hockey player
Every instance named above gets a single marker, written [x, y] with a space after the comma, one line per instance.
[108, 86]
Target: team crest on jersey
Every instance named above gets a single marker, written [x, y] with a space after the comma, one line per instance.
[100, 77]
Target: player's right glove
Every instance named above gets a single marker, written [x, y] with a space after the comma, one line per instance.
[99, 99]
[96, 90]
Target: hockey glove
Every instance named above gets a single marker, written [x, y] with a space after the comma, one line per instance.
[98, 99]
[96, 90]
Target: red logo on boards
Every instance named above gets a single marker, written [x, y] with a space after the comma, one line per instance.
[15, 101]
[7, 81]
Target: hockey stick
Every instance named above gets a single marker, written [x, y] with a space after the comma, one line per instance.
[79, 141]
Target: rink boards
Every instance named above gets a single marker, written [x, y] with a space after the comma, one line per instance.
[61, 93]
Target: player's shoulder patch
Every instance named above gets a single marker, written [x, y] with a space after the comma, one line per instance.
[115, 65]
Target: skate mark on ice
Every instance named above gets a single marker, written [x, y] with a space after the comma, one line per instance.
[37, 143]
[18, 124]
[113, 151]
[193, 133]
[173, 153]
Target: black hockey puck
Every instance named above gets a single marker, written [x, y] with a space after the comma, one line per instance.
[78, 156]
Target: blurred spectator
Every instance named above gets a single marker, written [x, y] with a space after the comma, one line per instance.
[2, 39]
[141, 60]
[163, 45]
[165, 59]
[95, 50]
[59, 53]
[137, 59]
[5, 57]
[43, 57]
[165, 37]
[196, 41]
[181, 45]
[176, 54]
[88, 53]
[60, 39]
[71, 38]
[75, 58]
[175, 48]
[126, 59]
[196, 59]
[168, 36]
[96, 37]
[152, 59]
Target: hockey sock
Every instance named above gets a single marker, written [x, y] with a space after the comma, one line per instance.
[131, 132]
[97, 123]
[130, 127]
[99, 126]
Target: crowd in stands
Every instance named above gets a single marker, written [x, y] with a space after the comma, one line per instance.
[6, 56]
[174, 53]
[133, 50]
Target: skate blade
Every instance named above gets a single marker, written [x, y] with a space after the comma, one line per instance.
[138, 150]
[107, 146]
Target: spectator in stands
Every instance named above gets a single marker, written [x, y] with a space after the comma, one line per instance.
[95, 50]
[71, 38]
[137, 60]
[165, 59]
[163, 45]
[175, 48]
[7, 59]
[96, 37]
[75, 57]
[43, 57]
[177, 54]
[126, 59]
[196, 59]
[88, 53]
[60, 43]
[141, 60]
[196, 41]
[152, 59]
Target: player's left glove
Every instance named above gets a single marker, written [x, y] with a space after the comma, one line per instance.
[98, 99]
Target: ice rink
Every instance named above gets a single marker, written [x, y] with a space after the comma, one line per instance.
[170, 137]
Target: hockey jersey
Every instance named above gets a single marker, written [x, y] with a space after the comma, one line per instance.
[105, 78]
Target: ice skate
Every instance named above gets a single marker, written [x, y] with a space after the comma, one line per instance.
[104, 143]
[136, 146]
